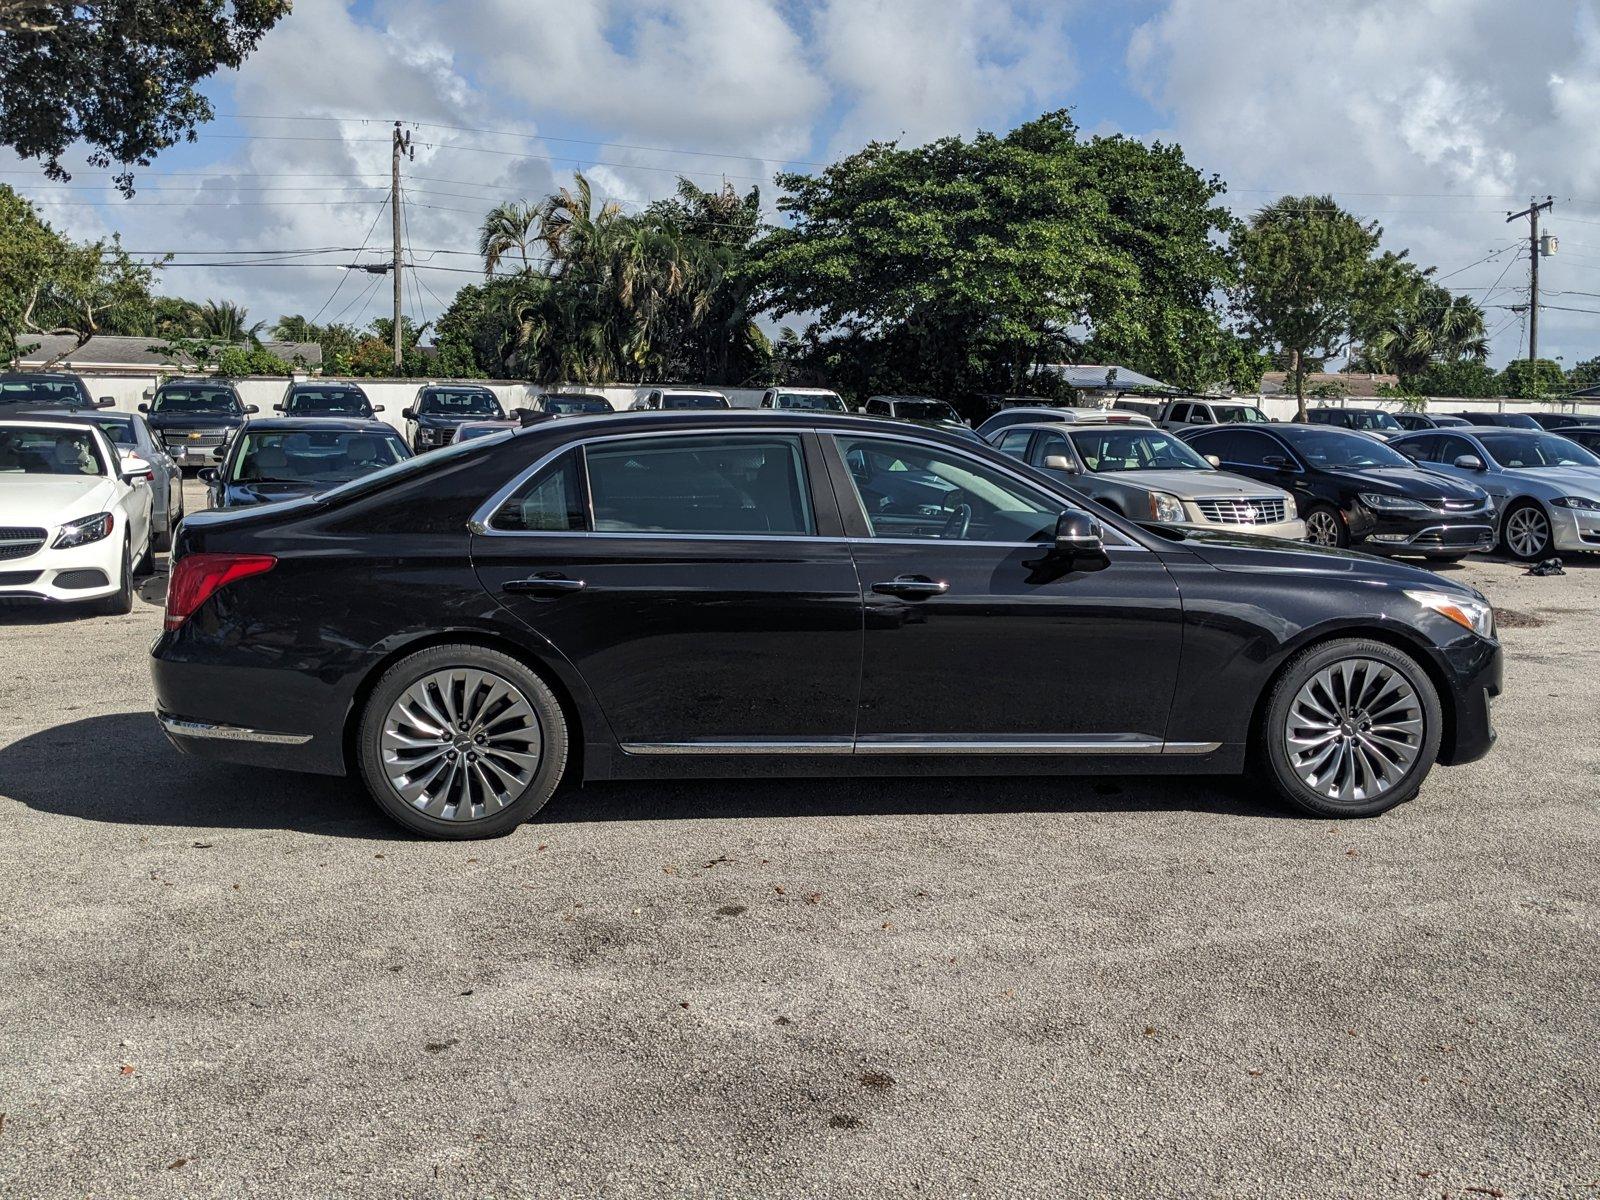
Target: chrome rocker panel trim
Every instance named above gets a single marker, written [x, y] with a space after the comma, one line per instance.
[1100, 745]
[176, 727]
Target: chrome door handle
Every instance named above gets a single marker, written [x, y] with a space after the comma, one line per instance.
[912, 587]
[543, 584]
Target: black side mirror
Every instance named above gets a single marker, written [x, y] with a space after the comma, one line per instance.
[277, 408]
[207, 474]
[251, 408]
[1469, 462]
[105, 402]
[409, 414]
[220, 452]
[1080, 538]
[1277, 462]
[144, 408]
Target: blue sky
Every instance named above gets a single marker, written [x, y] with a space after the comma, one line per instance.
[1434, 117]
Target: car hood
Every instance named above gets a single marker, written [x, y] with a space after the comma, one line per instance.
[1246, 553]
[52, 499]
[194, 420]
[1193, 485]
[450, 420]
[1414, 483]
[1563, 481]
[237, 495]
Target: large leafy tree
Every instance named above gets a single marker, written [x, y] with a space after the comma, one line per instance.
[120, 75]
[1435, 326]
[1311, 276]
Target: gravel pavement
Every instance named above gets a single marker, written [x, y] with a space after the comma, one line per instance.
[218, 981]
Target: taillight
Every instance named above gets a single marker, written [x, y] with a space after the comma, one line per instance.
[196, 576]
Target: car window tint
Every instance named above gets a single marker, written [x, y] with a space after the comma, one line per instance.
[1052, 443]
[915, 491]
[733, 484]
[1450, 447]
[1015, 443]
[548, 502]
[26, 450]
[1243, 447]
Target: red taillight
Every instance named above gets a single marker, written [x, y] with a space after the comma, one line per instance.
[196, 576]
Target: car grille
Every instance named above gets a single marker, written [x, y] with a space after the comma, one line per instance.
[17, 578]
[179, 440]
[20, 542]
[1456, 506]
[1243, 510]
[1454, 535]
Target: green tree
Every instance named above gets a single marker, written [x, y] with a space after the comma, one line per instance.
[225, 321]
[1310, 275]
[1437, 326]
[1530, 380]
[1585, 375]
[1466, 378]
[512, 226]
[120, 75]
[296, 328]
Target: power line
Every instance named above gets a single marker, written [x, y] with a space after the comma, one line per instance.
[332, 296]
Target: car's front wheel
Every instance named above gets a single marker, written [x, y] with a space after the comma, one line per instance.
[462, 742]
[1325, 527]
[1350, 729]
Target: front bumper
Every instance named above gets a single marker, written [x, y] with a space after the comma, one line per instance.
[1434, 534]
[1574, 529]
[1293, 530]
[194, 451]
[1477, 670]
[65, 576]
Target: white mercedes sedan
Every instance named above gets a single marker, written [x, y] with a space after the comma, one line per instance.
[75, 517]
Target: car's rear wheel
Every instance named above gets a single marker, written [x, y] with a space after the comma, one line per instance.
[462, 742]
[1351, 729]
[1324, 527]
[1526, 532]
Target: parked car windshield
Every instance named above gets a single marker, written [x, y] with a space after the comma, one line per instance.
[925, 410]
[1234, 414]
[459, 402]
[1374, 419]
[1518, 451]
[1135, 450]
[40, 391]
[344, 402]
[34, 451]
[565, 406]
[313, 456]
[1335, 449]
[694, 400]
[811, 401]
[196, 399]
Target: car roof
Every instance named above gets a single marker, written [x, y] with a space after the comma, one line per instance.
[1088, 426]
[6, 376]
[325, 384]
[817, 391]
[196, 381]
[85, 416]
[41, 423]
[345, 424]
[713, 419]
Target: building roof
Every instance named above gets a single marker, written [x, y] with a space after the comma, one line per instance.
[1355, 383]
[1109, 378]
[111, 351]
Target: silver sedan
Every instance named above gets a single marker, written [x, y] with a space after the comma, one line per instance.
[1546, 488]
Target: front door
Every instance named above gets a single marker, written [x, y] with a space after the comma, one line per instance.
[977, 639]
[697, 583]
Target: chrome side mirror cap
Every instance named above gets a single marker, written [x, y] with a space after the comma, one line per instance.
[1469, 462]
[1060, 462]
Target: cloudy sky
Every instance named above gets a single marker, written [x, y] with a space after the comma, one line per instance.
[1435, 117]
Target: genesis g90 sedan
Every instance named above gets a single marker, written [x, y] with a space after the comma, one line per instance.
[792, 593]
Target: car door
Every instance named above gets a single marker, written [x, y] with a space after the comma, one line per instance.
[1450, 446]
[976, 637]
[699, 581]
[1247, 452]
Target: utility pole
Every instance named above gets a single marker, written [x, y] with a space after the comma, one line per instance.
[1532, 213]
[402, 145]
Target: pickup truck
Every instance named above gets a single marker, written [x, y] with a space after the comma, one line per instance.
[1187, 413]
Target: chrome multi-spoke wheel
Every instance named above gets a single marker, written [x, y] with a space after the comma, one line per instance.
[461, 744]
[1527, 531]
[1354, 730]
[1322, 527]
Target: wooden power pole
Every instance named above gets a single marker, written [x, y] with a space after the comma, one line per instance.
[402, 145]
[1532, 213]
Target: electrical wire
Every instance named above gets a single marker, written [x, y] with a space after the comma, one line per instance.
[334, 295]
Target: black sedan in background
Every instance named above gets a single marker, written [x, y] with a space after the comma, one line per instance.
[1353, 490]
[281, 458]
[755, 594]
[1504, 420]
[327, 398]
[572, 404]
[1407, 419]
[193, 417]
[1587, 436]
[1368, 420]
[433, 417]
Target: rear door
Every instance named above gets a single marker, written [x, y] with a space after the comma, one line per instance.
[699, 581]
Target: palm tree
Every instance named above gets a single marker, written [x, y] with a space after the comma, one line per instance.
[1442, 327]
[507, 227]
[296, 328]
[225, 321]
[569, 226]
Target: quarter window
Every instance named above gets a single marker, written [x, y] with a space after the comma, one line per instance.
[1241, 446]
[549, 502]
[706, 485]
[1015, 443]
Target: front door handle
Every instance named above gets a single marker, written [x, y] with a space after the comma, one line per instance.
[543, 585]
[912, 587]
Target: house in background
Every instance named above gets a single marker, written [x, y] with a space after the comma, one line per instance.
[108, 354]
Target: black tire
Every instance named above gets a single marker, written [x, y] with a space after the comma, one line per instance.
[1271, 756]
[120, 602]
[547, 718]
[145, 564]
[1326, 512]
[1528, 515]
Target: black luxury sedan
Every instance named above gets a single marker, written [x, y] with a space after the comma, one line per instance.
[573, 404]
[327, 398]
[433, 417]
[1353, 490]
[193, 417]
[1411, 420]
[1368, 420]
[772, 593]
[281, 458]
[1504, 420]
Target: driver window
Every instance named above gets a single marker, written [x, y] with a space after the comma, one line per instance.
[909, 490]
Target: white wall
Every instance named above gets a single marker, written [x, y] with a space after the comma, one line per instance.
[1283, 407]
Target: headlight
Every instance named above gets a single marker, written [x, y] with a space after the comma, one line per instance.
[1466, 611]
[83, 531]
[1395, 504]
[1581, 502]
[1166, 507]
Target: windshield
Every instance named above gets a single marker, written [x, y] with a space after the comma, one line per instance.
[1373, 419]
[1518, 451]
[925, 410]
[693, 400]
[25, 451]
[1233, 414]
[459, 402]
[346, 402]
[814, 401]
[1335, 449]
[41, 391]
[192, 399]
[567, 405]
[313, 456]
[469, 431]
[1135, 450]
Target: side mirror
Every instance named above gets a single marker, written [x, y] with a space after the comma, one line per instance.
[148, 394]
[277, 408]
[220, 452]
[207, 474]
[1469, 462]
[106, 402]
[409, 414]
[377, 408]
[1080, 537]
[135, 468]
[252, 408]
[144, 408]
[1060, 462]
[1277, 462]
[1214, 461]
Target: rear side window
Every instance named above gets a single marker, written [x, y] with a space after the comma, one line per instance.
[1240, 446]
[548, 502]
[700, 485]
[1015, 443]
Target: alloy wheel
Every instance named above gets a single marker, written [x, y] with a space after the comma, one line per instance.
[1322, 529]
[1354, 730]
[461, 744]
[1527, 532]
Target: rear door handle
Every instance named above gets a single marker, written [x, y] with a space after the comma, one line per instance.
[912, 587]
[546, 585]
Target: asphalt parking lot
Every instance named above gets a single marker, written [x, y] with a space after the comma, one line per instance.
[220, 981]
